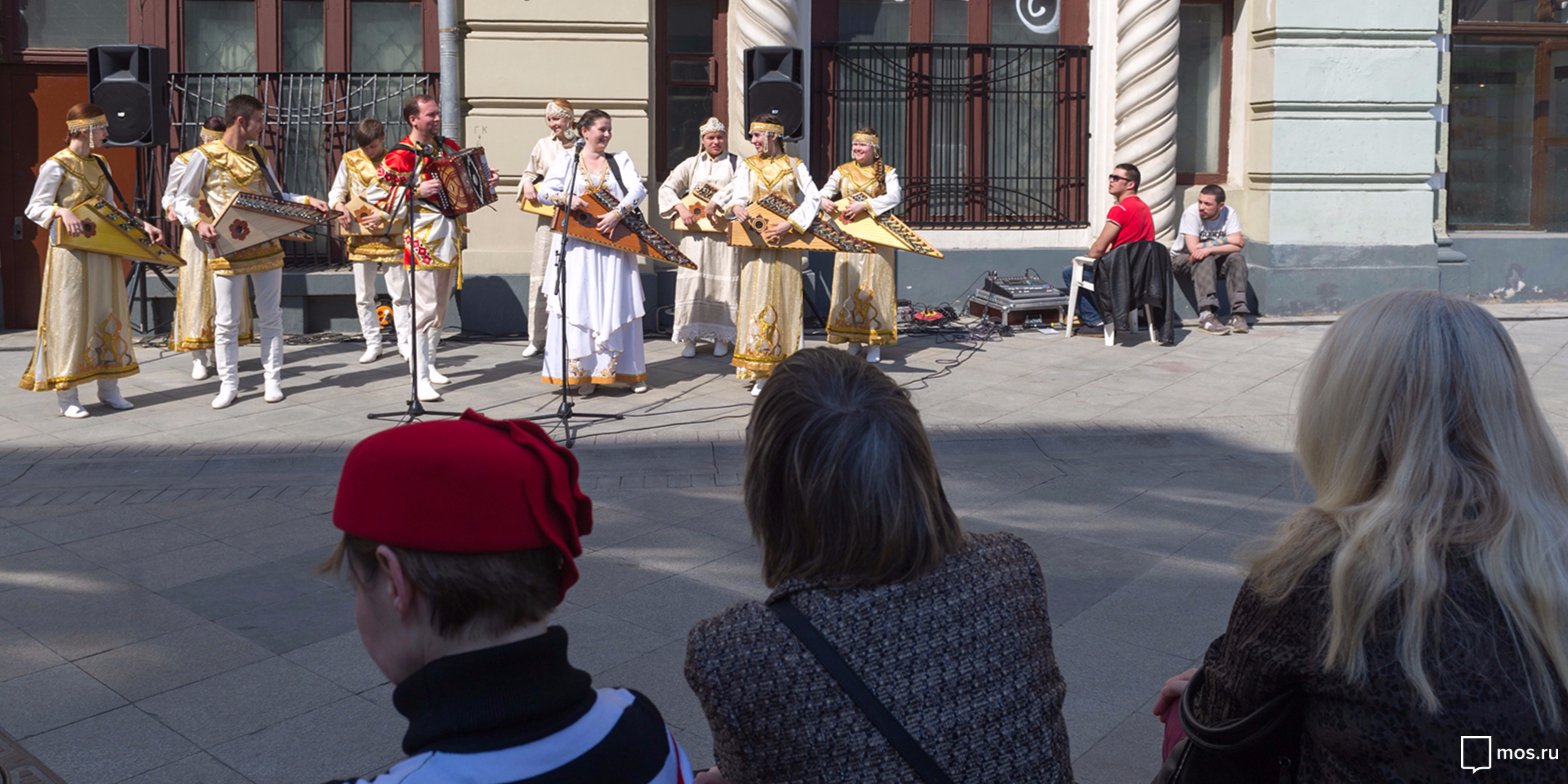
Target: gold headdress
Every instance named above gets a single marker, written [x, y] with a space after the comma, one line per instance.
[711, 126]
[86, 123]
[768, 127]
[867, 138]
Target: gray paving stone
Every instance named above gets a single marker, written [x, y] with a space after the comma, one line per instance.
[89, 522]
[241, 701]
[81, 614]
[342, 660]
[181, 657]
[141, 542]
[196, 769]
[43, 700]
[20, 654]
[16, 539]
[296, 622]
[598, 642]
[177, 567]
[344, 739]
[670, 606]
[287, 538]
[247, 590]
[111, 747]
[239, 516]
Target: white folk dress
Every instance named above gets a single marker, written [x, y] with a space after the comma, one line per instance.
[192, 329]
[706, 298]
[603, 299]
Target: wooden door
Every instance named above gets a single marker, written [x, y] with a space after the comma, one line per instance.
[38, 97]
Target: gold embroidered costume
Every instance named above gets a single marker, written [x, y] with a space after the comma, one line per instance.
[192, 329]
[84, 330]
[768, 323]
[865, 293]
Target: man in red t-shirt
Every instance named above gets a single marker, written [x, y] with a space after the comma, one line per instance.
[1129, 220]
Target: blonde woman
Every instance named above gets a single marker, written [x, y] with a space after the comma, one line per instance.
[562, 121]
[84, 328]
[864, 310]
[1424, 594]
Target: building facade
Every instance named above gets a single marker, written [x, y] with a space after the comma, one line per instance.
[1366, 146]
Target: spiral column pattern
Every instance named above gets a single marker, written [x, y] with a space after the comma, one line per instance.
[1146, 60]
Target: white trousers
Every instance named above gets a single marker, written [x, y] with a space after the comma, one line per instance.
[228, 294]
[432, 294]
[365, 300]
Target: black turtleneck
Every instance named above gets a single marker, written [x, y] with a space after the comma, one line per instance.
[493, 698]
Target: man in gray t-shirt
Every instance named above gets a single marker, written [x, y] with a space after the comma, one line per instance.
[1209, 244]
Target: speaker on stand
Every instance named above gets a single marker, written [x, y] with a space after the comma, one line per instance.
[773, 86]
[130, 82]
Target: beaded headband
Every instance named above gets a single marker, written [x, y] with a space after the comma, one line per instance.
[557, 109]
[867, 138]
[711, 126]
[86, 123]
[767, 127]
[209, 135]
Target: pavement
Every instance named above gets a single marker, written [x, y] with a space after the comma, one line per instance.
[161, 619]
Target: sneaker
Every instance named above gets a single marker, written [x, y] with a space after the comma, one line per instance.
[1238, 323]
[1210, 324]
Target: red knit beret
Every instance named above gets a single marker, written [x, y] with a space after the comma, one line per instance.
[467, 485]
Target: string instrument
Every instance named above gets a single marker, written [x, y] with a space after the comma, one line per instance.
[465, 181]
[885, 229]
[536, 207]
[108, 230]
[699, 201]
[361, 211]
[820, 235]
[632, 234]
[250, 219]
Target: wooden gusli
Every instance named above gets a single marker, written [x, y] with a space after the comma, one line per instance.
[251, 219]
[361, 211]
[632, 234]
[537, 207]
[886, 230]
[820, 235]
[108, 230]
[700, 202]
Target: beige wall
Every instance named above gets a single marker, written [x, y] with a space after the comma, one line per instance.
[518, 55]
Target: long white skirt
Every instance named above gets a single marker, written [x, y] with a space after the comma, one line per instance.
[604, 313]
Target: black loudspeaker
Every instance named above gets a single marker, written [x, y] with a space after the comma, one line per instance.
[131, 83]
[773, 86]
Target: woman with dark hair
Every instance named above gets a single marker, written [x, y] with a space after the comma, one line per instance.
[1423, 594]
[603, 297]
[864, 310]
[84, 328]
[948, 630]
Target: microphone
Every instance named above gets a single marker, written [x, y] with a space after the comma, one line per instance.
[581, 142]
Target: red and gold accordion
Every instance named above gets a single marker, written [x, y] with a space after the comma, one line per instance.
[465, 181]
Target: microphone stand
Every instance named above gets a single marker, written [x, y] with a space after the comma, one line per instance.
[415, 408]
[565, 412]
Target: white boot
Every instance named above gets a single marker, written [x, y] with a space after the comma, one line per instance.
[227, 363]
[109, 395]
[201, 362]
[70, 404]
[853, 348]
[530, 350]
[688, 348]
[433, 339]
[720, 348]
[370, 328]
[423, 390]
[272, 366]
[874, 354]
[756, 389]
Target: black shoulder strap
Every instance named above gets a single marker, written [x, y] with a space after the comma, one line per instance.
[103, 167]
[616, 171]
[830, 659]
[272, 183]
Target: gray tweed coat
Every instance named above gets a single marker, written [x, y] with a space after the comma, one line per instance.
[961, 656]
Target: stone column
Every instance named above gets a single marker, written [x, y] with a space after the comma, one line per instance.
[1146, 58]
[754, 23]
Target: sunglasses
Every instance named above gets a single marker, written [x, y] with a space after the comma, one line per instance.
[1118, 178]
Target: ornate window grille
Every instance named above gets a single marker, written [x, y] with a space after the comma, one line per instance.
[983, 136]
